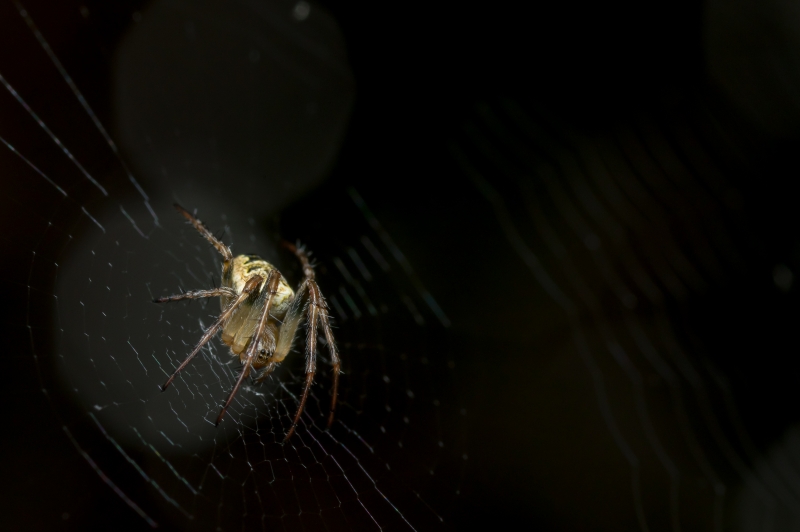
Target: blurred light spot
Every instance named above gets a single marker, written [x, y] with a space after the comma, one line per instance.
[84, 12]
[255, 55]
[591, 241]
[783, 277]
[136, 16]
[301, 10]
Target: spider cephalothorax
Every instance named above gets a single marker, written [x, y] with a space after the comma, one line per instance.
[260, 316]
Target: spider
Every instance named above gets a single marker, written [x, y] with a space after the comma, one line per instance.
[260, 316]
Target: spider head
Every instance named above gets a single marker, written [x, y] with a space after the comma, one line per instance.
[262, 355]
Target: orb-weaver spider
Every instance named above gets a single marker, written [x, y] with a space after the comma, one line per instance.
[260, 316]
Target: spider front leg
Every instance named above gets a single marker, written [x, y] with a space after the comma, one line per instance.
[198, 294]
[316, 318]
[251, 285]
[223, 250]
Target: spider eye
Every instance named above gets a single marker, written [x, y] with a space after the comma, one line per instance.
[263, 352]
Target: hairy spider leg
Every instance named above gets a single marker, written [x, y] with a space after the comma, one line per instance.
[268, 369]
[272, 287]
[198, 294]
[311, 364]
[224, 250]
[317, 317]
[251, 285]
[335, 361]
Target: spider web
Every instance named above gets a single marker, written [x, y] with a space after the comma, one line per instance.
[103, 245]
[617, 286]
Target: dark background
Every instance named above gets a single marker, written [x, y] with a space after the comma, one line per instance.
[696, 105]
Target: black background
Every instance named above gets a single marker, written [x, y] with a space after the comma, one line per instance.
[424, 72]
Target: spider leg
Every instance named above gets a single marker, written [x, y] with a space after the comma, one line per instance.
[251, 285]
[197, 294]
[335, 360]
[267, 371]
[317, 317]
[224, 250]
[272, 287]
[311, 365]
